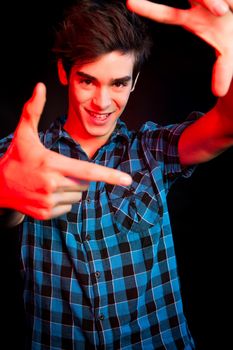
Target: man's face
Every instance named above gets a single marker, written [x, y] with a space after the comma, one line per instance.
[98, 94]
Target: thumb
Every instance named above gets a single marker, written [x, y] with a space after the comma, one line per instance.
[222, 75]
[33, 108]
[26, 132]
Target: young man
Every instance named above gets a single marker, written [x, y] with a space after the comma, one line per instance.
[97, 252]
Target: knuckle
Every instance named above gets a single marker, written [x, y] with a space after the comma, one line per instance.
[30, 110]
[27, 107]
[48, 203]
[45, 162]
[91, 173]
[43, 214]
[50, 185]
[88, 173]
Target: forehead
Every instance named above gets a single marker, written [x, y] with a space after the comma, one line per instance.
[111, 65]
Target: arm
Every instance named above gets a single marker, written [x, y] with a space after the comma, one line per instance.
[41, 183]
[209, 136]
[213, 133]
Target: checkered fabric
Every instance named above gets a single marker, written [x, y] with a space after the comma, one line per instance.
[104, 276]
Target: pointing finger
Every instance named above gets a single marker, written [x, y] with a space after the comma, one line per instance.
[83, 170]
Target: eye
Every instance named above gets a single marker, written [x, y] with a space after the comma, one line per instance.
[86, 81]
[121, 84]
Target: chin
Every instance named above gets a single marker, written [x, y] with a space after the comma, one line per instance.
[100, 131]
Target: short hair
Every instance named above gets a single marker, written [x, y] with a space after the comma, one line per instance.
[92, 28]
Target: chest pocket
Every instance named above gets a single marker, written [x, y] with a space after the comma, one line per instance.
[137, 208]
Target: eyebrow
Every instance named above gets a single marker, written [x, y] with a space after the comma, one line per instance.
[124, 79]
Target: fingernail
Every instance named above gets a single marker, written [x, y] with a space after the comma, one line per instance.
[220, 8]
[125, 180]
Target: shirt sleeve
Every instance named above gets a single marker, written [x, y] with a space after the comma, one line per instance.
[4, 144]
[161, 145]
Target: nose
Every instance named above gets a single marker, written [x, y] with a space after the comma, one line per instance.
[102, 98]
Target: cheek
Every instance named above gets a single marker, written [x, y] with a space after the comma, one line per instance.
[121, 98]
[80, 96]
[122, 101]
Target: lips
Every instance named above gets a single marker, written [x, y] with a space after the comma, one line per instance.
[98, 117]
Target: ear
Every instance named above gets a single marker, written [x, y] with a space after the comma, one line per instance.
[62, 73]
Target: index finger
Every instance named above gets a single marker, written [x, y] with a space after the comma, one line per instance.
[217, 7]
[156, 12]
[84, 170]
[222, 75]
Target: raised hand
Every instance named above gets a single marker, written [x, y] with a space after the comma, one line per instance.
[210, 20]
[39, 182]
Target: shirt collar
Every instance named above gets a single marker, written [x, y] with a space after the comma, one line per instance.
[56, 132]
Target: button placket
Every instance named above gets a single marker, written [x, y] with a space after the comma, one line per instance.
[88, 237]
[97, 274]
[101, 317]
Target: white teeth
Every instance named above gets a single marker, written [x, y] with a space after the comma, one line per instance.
[99, 116]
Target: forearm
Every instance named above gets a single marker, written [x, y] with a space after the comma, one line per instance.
[209, 136]
[219, 123]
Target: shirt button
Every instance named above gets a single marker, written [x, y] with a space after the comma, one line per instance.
[101, 317]
[88, 200]
[97, 274]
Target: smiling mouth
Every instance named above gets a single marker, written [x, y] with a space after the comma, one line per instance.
[99, 116]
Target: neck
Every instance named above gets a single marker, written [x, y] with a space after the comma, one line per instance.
[90, 144]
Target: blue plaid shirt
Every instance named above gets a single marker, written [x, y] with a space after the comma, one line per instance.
[104, 276]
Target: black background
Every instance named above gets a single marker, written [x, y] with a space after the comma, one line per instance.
[175, 81]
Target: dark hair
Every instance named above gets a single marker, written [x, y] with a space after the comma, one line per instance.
[92, 28]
